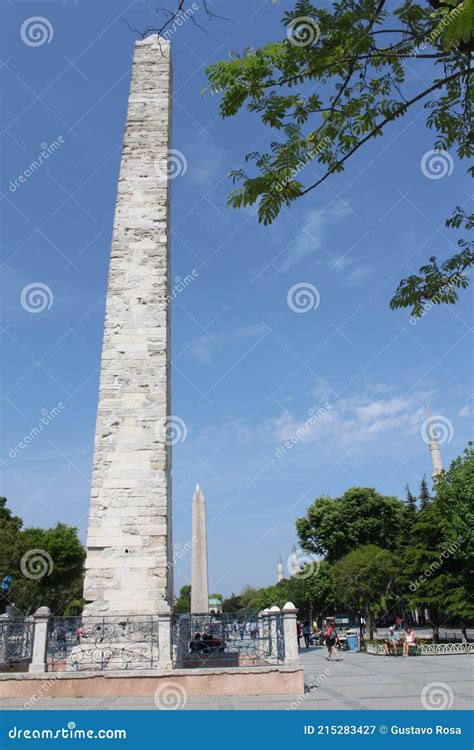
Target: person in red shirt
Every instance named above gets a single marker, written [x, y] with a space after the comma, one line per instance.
[331, 640]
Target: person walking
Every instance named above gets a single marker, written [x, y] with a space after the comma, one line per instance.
[332, 640]
[298, 633]
[306, 633]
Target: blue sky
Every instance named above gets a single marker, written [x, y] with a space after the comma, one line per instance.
[247, 369]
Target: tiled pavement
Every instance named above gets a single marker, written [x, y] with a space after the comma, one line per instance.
[359, 681]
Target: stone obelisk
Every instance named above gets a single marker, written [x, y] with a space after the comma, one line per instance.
[129, 557]
[199, 576]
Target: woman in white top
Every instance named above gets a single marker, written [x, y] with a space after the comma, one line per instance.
[408, 641]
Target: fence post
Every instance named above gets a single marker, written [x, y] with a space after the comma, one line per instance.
[164, 640]
[274, 611]
[40, 639]
[290, 632]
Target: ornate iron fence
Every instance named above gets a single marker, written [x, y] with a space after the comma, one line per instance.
[102, 643]
[227, 640]
[16, 641]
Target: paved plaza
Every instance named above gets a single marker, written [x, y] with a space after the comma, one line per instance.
[359, 681]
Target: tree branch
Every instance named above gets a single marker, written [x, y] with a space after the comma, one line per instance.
[386, 120]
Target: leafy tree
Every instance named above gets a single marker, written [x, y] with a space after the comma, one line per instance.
[454, 505]
[335, 82]
[48, 568]
[365, 578]
[183, 603]
[232, 604]
[424, 494]
[334, 527]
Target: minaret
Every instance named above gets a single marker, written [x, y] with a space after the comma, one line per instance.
[434, 448]
[295, 565]
[199, 578]
[279, 569]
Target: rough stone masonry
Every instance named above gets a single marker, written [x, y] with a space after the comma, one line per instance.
[128, 566]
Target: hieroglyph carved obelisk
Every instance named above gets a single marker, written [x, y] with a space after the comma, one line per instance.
[199, 575]
[129, 557]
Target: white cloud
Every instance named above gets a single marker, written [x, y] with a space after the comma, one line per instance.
[250, 331]
[309, 239]
[206, 163]
[358, 275]
[359, 418]
[202, 350]
[465, 411]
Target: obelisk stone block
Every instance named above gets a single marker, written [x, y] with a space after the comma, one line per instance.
[199, 573]
[128, 566]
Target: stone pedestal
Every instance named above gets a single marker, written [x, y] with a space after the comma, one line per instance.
[129, 556]
[40, 639]
[291, 634]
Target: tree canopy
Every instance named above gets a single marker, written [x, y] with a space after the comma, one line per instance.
[334, 527]
[46, 565]
[337, 80]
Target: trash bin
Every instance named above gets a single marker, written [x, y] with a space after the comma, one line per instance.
[352, 643]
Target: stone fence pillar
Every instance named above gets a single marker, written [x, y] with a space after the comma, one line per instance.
[164, 640]
[40, 639]
[291, 636]
[272, 618]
